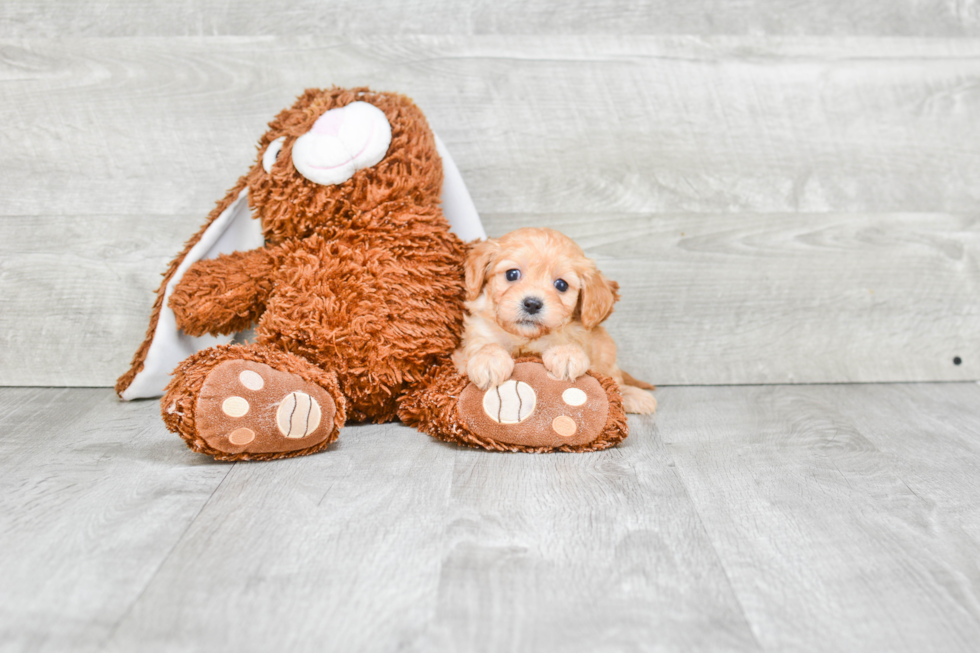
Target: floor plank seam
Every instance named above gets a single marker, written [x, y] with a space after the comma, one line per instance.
[714, 548]
[163, 561]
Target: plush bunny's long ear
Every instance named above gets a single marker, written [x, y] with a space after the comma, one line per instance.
[229, 228]
[457, 205]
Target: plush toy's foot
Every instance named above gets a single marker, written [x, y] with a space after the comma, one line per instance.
[529, 412]
[534, 410]
[247, 407]
[243, 408]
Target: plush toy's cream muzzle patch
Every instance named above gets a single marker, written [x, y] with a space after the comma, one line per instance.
[342, 141]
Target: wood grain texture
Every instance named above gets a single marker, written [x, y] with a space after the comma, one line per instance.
[392, 540]
[738, 518]
[555, 124]
[799, 165]
[76, 293]
[30, 18]
[787, 298]
[911, 445]
[707, 299]
[818, 527]
[93, 497]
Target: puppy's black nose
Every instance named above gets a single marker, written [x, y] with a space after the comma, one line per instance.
[532, 305]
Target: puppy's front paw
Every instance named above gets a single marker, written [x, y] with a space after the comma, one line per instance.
[490, 367]
[566, 362]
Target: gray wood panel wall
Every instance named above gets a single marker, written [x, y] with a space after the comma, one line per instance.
[786, 193]
[56, 18]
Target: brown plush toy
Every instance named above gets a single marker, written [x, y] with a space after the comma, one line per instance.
[355, 283]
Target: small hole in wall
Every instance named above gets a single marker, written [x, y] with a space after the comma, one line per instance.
[957, 360]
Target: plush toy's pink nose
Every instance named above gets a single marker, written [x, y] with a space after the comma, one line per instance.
[329, 123]
[341, 142]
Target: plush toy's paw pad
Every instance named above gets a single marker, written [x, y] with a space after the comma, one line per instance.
[535, 410]
[511, 402]
[248, 407]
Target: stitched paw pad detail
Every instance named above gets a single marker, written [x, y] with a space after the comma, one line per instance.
[511, 402]
[533, 409]
[298, 415]
[249, 407]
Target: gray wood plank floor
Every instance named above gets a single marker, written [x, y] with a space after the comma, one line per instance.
[835, 517]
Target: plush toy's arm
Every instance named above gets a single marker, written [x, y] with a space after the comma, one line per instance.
[225, 294]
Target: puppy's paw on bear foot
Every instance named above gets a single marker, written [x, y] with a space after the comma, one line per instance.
[533, 411]
[246, 407]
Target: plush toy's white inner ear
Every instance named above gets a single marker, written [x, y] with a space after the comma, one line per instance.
[231, 231]
[457, 205]
[342, 141]
[272, 153]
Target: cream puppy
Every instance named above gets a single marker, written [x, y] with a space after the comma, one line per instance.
[533, 291]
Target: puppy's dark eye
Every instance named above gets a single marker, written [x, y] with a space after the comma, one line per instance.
[561, 285]
[513, 275]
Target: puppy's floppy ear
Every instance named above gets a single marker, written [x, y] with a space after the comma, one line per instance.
[596, 298]
[477, 264]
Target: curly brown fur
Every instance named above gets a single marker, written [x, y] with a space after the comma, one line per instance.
[294, 207]
[226, 294]
[361, 278]
[379, 309]
[180, 398]
[365, 279]
[434, 411]
[408, 181]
